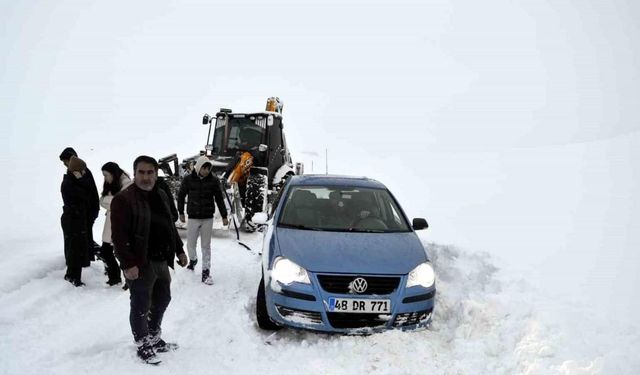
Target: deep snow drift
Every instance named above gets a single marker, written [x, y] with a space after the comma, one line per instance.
[486, 321]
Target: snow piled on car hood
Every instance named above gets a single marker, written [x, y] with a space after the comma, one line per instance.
[485, 321]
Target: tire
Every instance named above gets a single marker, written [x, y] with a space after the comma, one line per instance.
[255, 198]
[262, 316]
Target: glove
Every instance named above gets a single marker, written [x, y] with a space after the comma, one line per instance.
[182, 219]
[182, 259]
[131, 273]
[225, 221]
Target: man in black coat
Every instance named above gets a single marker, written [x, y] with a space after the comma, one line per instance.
[146, 242]
[203, 188]
[93, 203]
[75, 200]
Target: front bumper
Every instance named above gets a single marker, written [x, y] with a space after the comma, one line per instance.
[306, 306]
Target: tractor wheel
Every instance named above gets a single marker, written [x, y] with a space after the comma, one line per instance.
[255, 198]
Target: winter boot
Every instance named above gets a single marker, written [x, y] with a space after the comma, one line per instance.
[75, 282]
[206, 277]
[146, 353]
[192, 264]
[161, 346]
[113, 282]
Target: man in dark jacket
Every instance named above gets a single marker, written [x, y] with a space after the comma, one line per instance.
[93, 203]
[203, 188]
[76, 199]
[146, 242]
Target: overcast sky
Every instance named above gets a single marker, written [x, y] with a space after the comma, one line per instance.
[511, 126]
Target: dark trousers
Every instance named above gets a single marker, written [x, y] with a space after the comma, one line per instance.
[74, 273]
[75, 243]
[110, 262]
[150, 296]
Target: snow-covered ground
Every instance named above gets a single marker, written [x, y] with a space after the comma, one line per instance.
[487, 321]
[512, 127]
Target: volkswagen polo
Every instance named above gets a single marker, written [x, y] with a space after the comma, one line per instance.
[339, 255]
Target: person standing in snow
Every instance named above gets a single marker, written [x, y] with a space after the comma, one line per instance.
[93, 203]
[77, 202]
[115, 179]
[146, 242]
[203, 188]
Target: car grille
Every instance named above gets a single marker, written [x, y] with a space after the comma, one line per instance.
[375, 284]
[300, 316]
[409, 319]
[353, 320]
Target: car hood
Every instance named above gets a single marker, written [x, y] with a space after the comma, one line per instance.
[349, 252]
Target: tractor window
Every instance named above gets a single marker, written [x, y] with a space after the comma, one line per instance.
[218, 135]
[285, 157]
[245, 133]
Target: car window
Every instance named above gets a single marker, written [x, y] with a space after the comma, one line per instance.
[342, 208]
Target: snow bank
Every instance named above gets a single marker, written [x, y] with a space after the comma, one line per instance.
[485, 322]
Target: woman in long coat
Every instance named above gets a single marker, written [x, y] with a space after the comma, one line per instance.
[115, 179]
[75, 197]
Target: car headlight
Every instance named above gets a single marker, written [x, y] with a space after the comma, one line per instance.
[287, 272]
[422, 275]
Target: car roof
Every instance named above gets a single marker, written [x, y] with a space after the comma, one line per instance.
[335, 180]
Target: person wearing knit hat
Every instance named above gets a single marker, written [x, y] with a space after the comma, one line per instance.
[80, 184]
[76, 165]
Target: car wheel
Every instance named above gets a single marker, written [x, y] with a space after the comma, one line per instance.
[262, 316]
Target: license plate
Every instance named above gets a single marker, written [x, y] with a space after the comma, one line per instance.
[352, 305]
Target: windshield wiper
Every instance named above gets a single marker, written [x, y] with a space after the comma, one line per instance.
[365, 230]
[298, 226]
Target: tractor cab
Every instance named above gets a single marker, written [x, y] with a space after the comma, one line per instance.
[260, 134]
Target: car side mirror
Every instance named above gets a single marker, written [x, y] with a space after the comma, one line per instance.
[260, 218]
[262, 147]
[206, 119]
[420, 223]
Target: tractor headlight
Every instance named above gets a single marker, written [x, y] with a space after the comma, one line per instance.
[422, 275]
[287, 272]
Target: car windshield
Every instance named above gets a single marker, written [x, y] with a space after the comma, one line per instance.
[238, 133]
[342, 208]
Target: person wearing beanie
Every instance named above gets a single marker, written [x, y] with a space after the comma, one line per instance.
[77, 165]
[93, 205]
[203, 188]
[76, 200]
[115, 179]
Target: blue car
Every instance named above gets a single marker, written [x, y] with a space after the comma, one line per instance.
[339, 255]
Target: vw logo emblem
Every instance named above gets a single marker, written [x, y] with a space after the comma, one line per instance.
[358, 285]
